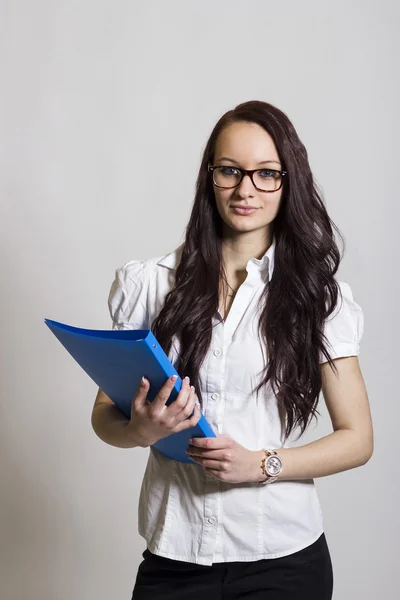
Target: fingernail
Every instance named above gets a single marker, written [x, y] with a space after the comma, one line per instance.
[143, 381]
[187, 379]
[174, 378]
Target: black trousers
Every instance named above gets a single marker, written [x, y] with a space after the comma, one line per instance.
[303, 575]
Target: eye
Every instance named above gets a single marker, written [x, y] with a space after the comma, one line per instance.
[268, 173]
[229, 170]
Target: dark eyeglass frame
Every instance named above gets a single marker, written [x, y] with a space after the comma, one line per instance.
[243, 172]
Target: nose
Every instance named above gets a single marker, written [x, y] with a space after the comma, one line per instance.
[246, 187]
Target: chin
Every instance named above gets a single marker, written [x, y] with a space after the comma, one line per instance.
[245, 227]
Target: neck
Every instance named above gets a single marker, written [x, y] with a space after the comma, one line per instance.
[237, 251]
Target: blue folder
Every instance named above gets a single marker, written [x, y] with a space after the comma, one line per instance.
[116, 360]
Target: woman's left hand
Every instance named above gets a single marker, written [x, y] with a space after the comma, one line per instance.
[226, 459]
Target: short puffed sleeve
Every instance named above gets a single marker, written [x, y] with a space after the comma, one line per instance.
[127, 300]
[344, 327]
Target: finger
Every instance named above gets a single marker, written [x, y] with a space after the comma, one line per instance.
[191, 422]
[217, 443]
[219, 475]
[216, 465]
[221, 455]
[163, 395]
[140, 397]
[181, 400]
[187, 410]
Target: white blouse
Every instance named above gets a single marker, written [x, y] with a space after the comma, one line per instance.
[184, 513]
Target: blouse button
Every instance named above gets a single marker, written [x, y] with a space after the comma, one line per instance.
[215, 396]
[211, 520]
[217, 352]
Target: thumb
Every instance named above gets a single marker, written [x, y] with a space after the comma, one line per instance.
[141, 392]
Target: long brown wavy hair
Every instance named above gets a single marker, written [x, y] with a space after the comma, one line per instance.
[301, 294]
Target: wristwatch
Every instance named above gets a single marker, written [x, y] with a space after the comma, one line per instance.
[271, 465]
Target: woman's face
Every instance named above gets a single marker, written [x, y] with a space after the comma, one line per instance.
[248, 146]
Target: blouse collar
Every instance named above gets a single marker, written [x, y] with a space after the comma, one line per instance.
[265, 264]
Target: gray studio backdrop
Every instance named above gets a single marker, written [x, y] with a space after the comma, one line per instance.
[106, 108]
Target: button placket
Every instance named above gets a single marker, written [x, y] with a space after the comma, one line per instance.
[210, 523]
[212, 485]
[243, 298]
[220, 406]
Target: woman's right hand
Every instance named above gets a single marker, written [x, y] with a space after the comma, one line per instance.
[152, 421]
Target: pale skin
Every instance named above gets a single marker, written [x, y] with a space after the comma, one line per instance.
[150, 421]
[350, 444]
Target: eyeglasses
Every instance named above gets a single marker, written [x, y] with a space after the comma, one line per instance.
[264, 180]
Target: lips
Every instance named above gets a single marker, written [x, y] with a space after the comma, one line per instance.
[244, 210]
[244, 206]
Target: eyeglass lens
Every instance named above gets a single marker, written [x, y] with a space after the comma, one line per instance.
[264, 179]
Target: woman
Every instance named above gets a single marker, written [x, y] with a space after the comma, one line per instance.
[249, 309]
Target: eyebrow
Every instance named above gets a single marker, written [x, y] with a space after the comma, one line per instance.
[235, 161]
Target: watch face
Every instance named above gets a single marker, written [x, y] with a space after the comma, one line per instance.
[273, 465]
